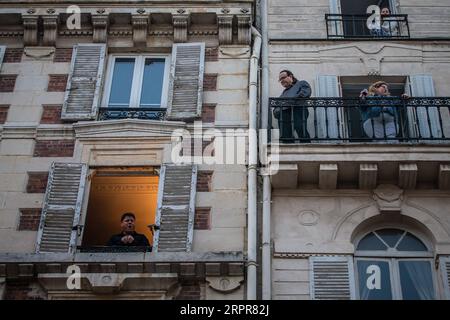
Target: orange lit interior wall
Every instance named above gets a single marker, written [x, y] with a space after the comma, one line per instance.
[110, 197]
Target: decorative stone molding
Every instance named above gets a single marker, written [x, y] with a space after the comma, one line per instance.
[444, 176]
[225, 23]
[368, 173]
[224, 284]
[140, 24]
[407, 175]
[100, 24]
[373, 64]
[180, 27]
[39, 52]
[244, 29]
[389, 198]
[30, 25]
[2, 288]
[50, 23]
[328, 173]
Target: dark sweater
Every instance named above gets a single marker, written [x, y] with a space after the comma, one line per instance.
[139, 240]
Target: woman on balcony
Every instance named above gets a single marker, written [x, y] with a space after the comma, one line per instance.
[379, 116]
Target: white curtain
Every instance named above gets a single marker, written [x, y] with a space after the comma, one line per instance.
[420, 274]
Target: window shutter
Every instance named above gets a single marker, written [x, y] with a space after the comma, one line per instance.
[81, 100]
[2, 54]
[176, 206]
[186, 81]
[422, 86]
[61, 209]
[445, 272]
[327, 87]
[336, 27]
[332, 278]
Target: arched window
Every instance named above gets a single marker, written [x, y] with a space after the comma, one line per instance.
[394, 264]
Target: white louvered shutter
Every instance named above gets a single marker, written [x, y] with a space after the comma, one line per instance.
[332, 278]
[444, 263]
[428, 123]
[328, 87]
[82, 98]
[335, 26]
[176, 208]
[2, 54]
[186, 81]
[61, 209]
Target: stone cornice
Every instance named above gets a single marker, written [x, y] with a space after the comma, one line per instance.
[126, 128]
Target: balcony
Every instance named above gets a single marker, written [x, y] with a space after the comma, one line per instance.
[349, 26]
[386, 119]
[334, 143]
[131, 113]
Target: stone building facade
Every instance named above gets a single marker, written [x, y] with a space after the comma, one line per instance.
[90, 98]
[346, 208]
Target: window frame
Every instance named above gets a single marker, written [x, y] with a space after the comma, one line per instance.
[393, 258]
[138, 75]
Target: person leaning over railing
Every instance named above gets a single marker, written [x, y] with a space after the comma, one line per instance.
[293, 88]
[388, 27]
[379, 117]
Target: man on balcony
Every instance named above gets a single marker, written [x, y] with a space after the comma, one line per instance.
[297, 115]
[128, 237]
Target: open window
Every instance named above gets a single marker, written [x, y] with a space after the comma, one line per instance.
[114, 191]
[163, 197]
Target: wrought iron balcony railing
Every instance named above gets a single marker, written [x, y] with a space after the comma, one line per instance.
[350, 26]
[388, 119]
[131, 113]
[115, 249]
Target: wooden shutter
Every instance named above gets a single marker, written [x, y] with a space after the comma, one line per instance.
[328, 87]
[81, 101]
[176, 206]
[2, 54]
[444, 263]
[332, 278]
[61, 209]
[427, 122]
[186, 81]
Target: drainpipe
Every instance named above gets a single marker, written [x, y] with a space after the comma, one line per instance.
[252, 168]
[266, 234]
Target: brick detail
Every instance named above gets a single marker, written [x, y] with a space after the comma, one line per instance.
[29, 219]
[208, 113]
[7, 82]
[190, 290]
[3, 112]
[194, 150]
[57, 82]
[204, 181]
[54, 148]
[212, 54]
[37, 182]
[13, 55]
[210, 82]
[51, 114]
[63, 55]
[202, 219]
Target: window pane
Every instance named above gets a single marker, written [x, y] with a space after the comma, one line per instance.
[371, 242]
[416, 280]
[411, 243]
[152, 82]
[121, 82]
[374, 280]
[390, 236]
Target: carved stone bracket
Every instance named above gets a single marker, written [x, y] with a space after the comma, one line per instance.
[389, 198]
[225, 23]
[224, 284]
[50, 23]
[180, 27]
[244, 31]
[100, 24]
[140, 29]
[30, 25]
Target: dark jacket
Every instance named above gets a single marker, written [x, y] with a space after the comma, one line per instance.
[379, 105]
[139, 240]
[300, 89]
